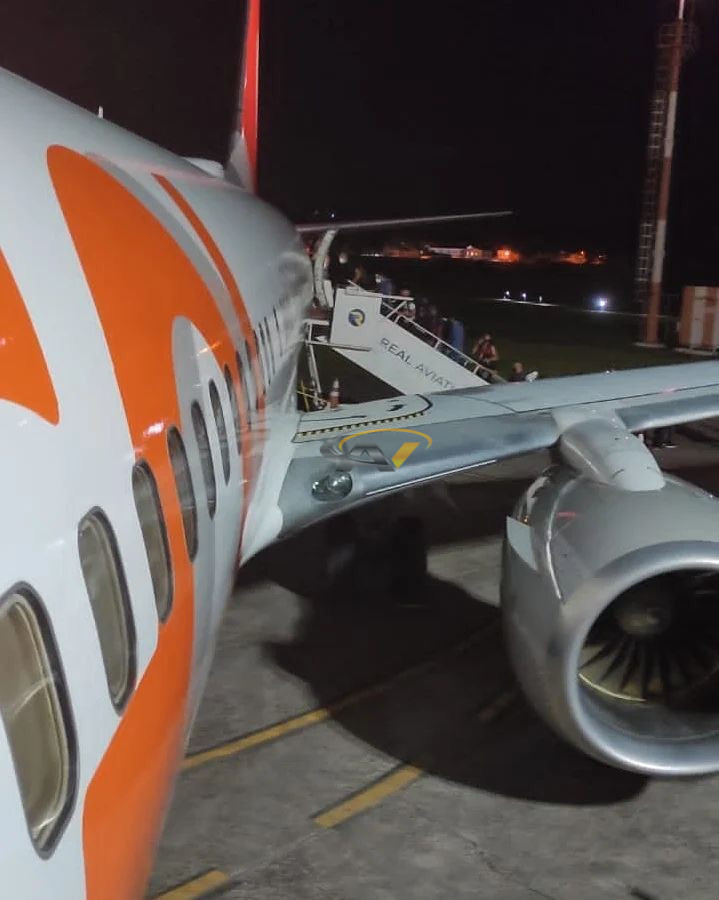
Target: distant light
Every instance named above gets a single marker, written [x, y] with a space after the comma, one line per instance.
[601, 302]
[506, 295]
[541, 299]
[524, 295]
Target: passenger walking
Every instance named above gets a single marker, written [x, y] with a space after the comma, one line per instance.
[485, 352]
[362, 279]
[422, 312]
[410, 310]
[339, 270]
[385, 285]
[456, 334]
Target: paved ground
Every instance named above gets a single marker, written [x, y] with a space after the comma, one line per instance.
[404, 764]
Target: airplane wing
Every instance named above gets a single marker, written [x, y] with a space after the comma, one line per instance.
[376, 224]
[347, 456]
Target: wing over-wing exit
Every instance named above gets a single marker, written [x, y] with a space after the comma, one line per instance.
[151, 324]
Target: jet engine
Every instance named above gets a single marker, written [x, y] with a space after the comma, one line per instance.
[611, 610]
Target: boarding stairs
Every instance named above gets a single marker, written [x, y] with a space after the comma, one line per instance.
[375, 332]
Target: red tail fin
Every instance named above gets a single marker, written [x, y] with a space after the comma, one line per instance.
[241, 164]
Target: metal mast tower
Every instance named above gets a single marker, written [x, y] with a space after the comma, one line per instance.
[660, 149]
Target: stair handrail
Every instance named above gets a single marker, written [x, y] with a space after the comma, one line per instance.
[437, 343]
[394, 314]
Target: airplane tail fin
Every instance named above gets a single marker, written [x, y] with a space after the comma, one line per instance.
[241, 165]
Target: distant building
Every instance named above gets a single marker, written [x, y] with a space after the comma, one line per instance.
[699, 320]
[468, 252]
[403, 251]
[502, 254]
[574, 258]
[507, 255]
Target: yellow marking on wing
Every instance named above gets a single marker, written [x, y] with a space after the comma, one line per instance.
[404, 451]
[377, 430]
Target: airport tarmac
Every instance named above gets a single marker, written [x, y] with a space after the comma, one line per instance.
[347, 748]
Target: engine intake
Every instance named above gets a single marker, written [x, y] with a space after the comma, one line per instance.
[611, 610]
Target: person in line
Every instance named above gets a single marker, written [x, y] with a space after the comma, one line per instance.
[406, 306]
[433, 320]
[339, 269]
[362, 279]
[485, 352]
[405, 294]
[456, 334]
[385, 285]
[518, 373]
[422, 310]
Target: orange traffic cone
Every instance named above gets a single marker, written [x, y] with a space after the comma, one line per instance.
[334, 395]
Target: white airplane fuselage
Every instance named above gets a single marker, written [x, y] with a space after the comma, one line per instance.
[133, 288]
[151, 318]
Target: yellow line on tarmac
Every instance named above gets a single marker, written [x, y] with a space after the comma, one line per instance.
[495, 709]
[400, 777]
[196, 887]
[369, 797]
[321, 714]
[256, 738]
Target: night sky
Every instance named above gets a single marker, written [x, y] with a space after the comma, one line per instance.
[379, 108]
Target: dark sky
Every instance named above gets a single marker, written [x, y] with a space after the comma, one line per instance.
[380, 107]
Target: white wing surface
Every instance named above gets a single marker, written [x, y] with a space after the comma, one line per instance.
[347, 456]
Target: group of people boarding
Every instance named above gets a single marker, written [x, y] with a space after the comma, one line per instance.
[447, 328]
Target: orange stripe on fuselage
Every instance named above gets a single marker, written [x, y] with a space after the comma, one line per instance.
[24, 377]
[141, 281]
[213, 251]
[228, 278]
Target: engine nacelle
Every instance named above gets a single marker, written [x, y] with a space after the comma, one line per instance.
[611, 610]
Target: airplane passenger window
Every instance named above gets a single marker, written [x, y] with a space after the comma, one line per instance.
[250, 376]
[110, 602]
[208, 469]
[149, 512]
[36, 714]
[221, 429]
[185, 492]
[279, 332]
[261, 358]
[265, 332]
[268, 339]
[234, 406]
